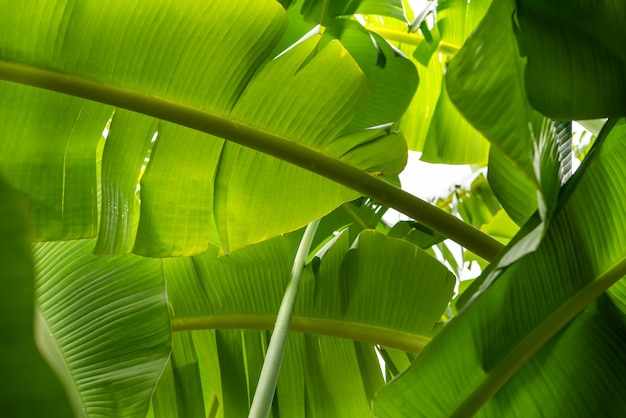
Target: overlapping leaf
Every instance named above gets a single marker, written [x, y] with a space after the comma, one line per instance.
[415, 123]
[431, 124]
[322, 11]
[179, 393]
[382, 290]
[557, 36]
[48, 151]
[394, 78]
[104, 326]
[451, 139]
[28, 386]
[496, 335]
[484, 81]
[205, 56]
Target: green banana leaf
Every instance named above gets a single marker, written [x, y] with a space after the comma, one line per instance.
[516, 192]
[416, 121]
[393, 75]
[380, 290]
[554, 36]
[356, 216]
[431, 123]
[394, 78]
[167, 190]
[179, 393]
[484, 82]
[457, 19]
[103, 326]
[162, 185]
[320, 376]
[501, 227]
[28, 387]
[451, 139]
[416, 233]
[322, 10]
[490, 350]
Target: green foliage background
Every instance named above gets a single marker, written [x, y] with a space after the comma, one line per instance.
[146, 264]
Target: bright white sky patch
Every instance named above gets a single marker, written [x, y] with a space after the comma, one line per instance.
[429, 181]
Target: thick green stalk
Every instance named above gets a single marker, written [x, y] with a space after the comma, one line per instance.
[293, 152]
[262, 401]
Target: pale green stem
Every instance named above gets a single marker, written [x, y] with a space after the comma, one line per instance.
[283, 148]
[262, 401]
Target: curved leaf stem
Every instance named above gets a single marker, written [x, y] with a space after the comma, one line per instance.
[502, 371]
[264, 394]
[386, 337]
[263, 141]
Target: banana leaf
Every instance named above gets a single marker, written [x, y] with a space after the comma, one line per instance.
[529, 323]
[103, 325]
[347, 292]
[484, 82]
[162, 185]
[29, 388]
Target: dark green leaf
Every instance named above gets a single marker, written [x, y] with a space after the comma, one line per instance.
[489, 341]
[28, 388]
[575, 57]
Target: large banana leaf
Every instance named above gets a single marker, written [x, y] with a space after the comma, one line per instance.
[48, 150]
[485, 83]
[103, 326]
[537, 305]
[394, 78]
[28, 388]
[326, 292]
[431, 123]
[559, 35]
[170, 190]
[179, 393]
[321, 10]
[416, 121]
[320, 376]
[206, 57]
[380, 291]
[451, 139]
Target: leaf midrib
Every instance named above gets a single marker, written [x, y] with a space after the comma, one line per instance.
[519, 353]
[387, 337]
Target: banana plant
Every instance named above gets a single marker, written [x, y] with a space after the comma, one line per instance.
[159, 163]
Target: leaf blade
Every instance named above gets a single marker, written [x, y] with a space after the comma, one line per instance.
[582, 261]
[108, 325]
[29, 387]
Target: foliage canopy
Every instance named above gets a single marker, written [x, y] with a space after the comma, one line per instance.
[158, 252]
